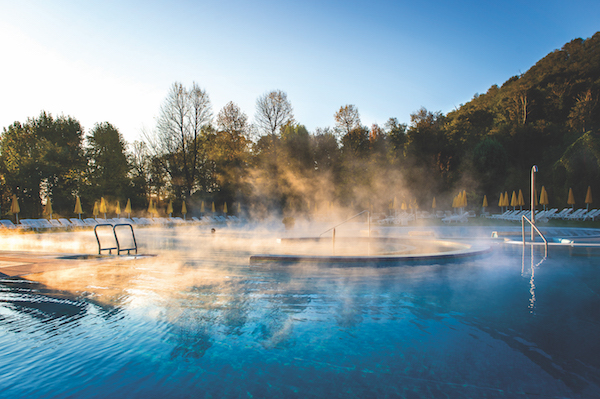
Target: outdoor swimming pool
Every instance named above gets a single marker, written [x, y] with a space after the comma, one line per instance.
[205, 323]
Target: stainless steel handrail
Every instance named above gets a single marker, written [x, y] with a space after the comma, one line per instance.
[100, 249]
[118, 247]
[534, 227]
[347, 220]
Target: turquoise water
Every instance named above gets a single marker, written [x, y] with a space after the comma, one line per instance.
[504, 325]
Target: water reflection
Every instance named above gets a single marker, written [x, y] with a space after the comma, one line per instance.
[531, 274]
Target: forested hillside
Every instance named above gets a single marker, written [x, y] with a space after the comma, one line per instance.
[548, 116]
[272, 165]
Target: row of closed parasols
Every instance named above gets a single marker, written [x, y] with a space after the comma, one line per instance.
[101, 207]
[517, 199]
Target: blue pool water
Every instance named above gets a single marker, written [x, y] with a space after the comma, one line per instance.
[188, 326]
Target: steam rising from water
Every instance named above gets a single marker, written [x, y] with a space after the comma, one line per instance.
[200, 306]
[187, 256]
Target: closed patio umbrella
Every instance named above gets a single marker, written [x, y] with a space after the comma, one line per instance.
[485, 202]
[150, 207]
[520, 200]
[213, 207]
[183, 209]
[118, 210]
[513, 200]
[96, 210]
[501, 201]
[571, 199]
[544, 197]
[225, 208]
[202, 207]
[78, 210]
[433, 204]
[14, 208]
[128, 208]
[103, 206]
[588, 198]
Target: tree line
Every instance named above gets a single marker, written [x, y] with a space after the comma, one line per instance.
[548, 116]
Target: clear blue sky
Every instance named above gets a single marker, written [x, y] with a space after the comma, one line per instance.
[115, 60]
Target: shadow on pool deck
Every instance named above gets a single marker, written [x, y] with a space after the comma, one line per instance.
[21, 263]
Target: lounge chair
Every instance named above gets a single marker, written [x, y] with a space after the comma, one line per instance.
[591, 215]
[576, 215]
[56, 224]
[78, 223]
[501, 215]
[142, 221]
[562, 214]
[11, 226]
[32, 224]
[458, 218]
[518, 214]
[46, 224]
[66, 223]
[90, 222]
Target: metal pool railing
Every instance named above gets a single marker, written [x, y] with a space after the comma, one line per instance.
[533, 227]
[118, 245]
[346, 221]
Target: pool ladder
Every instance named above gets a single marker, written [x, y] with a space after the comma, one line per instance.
[118, 245]
[533, 227]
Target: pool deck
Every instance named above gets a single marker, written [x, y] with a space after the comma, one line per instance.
[22, 263]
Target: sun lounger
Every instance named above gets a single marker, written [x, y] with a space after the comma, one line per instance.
[122, 221]
[56, 224]
[143, 221]
[424, 215]
[32, 224]
[501, 215]
[591, 215]
[518, 214]
[575, 215]
[11, 226]
[65, 223]
[562, 214]
[233, 218]
[549, 214]
[78, 223]
[460, 218]
[90, 222]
